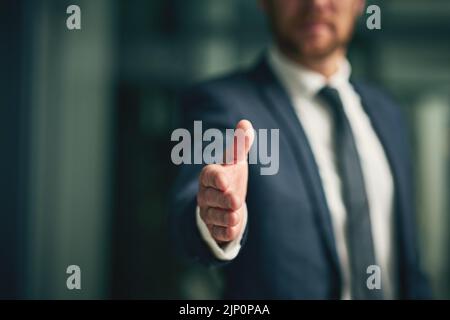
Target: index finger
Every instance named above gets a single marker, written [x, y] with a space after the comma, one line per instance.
[213, 176]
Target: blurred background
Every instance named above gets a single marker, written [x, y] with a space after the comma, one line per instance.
[86, 117]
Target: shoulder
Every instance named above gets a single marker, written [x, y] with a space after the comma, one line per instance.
[229, 97]
[219, 102]
[389, 113]
[225, 88]
[379, 97]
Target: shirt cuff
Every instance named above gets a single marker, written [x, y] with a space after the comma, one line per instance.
[228, 251]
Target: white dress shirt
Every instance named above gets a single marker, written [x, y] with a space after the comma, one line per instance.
[302, 86]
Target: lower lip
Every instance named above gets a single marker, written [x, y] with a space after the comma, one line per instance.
[315, 28]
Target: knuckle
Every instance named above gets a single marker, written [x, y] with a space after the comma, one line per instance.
[219, 179]
[234, 201]
[231, 233]
[206, 173]
[233, 219]
[212, 172]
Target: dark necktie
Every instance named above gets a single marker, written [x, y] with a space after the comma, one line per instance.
[358, 226]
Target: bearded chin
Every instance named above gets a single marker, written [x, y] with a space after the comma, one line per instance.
[319, 52]
[311, 51]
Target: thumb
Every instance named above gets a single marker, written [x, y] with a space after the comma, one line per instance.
[244, 136]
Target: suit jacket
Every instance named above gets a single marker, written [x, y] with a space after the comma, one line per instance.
[288, 249]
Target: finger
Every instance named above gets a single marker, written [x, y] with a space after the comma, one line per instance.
[243, 139]
[214, 176]
[210, 197]
[219, 217]
[225, 234]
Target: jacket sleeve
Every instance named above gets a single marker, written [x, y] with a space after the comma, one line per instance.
[214, 110]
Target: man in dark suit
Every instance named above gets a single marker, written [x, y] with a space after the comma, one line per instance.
[336, 221]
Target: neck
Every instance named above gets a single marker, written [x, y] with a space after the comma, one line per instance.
[325, 65]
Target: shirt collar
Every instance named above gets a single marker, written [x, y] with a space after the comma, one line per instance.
[299, 79]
